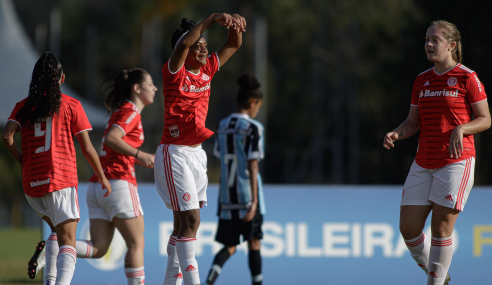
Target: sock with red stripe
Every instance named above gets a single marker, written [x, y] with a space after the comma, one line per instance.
[185, 248]
[419, 248]
[173, 271]
[51, 251]
[135, 276]
[84, 248]
[65, 265]
[441, 253]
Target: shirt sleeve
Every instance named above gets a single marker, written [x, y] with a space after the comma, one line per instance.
[80, 122]
[256, 150]
[212, 65]
[475, 90]
[415, 93]
[13, 115]
[126, 119]
[170, 77]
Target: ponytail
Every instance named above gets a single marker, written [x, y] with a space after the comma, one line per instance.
[248, 89]
[44, 98]
[122, 86]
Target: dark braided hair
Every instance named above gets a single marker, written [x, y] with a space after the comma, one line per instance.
[185, 26]
[44, 97]
[122, 86]
[248, 89]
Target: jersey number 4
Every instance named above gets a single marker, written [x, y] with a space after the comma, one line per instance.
[38, 132]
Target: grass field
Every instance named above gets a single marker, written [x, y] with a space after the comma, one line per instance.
[16, 248]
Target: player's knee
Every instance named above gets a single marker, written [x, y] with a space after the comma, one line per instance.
[409, 231]
[136, 243]
[191, 221]
[254, 244]
[231, 250]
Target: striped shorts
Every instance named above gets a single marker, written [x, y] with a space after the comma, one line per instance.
[181, 176]
[123, 202]
[448, 186]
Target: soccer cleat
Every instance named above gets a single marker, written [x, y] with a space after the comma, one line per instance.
[38, 260]
[447, 279]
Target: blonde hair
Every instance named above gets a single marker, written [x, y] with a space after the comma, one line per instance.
[451, 33]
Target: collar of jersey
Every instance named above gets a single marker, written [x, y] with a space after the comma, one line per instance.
[446, 70]
[134, 106]
[240, 115]
[199, 71]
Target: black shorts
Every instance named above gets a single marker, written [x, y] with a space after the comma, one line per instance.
[229, 231]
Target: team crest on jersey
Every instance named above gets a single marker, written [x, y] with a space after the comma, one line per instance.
[186, 197]
[174, 131]
[205, 77]
[452, 81]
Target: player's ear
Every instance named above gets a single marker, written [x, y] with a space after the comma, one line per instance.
[136, 88]
[62, 80]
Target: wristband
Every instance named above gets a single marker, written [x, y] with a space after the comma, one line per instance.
[136, 154]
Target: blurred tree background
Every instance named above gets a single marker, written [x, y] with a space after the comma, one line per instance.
[337, 75]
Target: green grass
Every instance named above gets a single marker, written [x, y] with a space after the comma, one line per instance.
[16, 248]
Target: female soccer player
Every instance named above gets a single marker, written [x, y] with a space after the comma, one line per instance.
[132, 90]
[239, 146]
[181, 168]
[47, 120]
[441, 177]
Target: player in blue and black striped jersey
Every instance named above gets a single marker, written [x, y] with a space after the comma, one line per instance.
[239, 146]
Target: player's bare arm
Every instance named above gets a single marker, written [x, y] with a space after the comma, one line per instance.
[91, 155]
[183, 45]
[8, 139]
[234, 41]
[253, 174]
[405, 130]
[114, 140]
[477, 125]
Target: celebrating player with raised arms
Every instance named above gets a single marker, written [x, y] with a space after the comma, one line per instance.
[239, 146]
[181, 164]
[48, 120]
[444, 98]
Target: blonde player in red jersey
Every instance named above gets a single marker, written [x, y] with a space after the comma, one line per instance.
[48, 120]
[181, 164]
[131, 91]
[441, 177]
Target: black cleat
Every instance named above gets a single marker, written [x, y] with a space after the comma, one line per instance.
[38, 260]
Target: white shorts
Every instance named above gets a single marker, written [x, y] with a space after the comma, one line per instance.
[59, 206]
[181, 176]
[448, 186]
[123, 202]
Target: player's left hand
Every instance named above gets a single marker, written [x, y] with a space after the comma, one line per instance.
[251, 212]
[456, 143]
[242, 22]
[201, 203]
[105, 185]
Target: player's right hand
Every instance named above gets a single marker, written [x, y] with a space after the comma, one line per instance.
[389, 138]
[105, 185]
[229, 21]
[146, 159]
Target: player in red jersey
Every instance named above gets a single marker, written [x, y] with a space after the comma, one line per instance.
[181, 164]
[441, 177]
[132, 90]
[48, 120]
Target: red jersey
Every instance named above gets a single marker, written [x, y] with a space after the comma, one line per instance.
[444, 102]
[116, 165]
[48, 152]
[186, 97]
